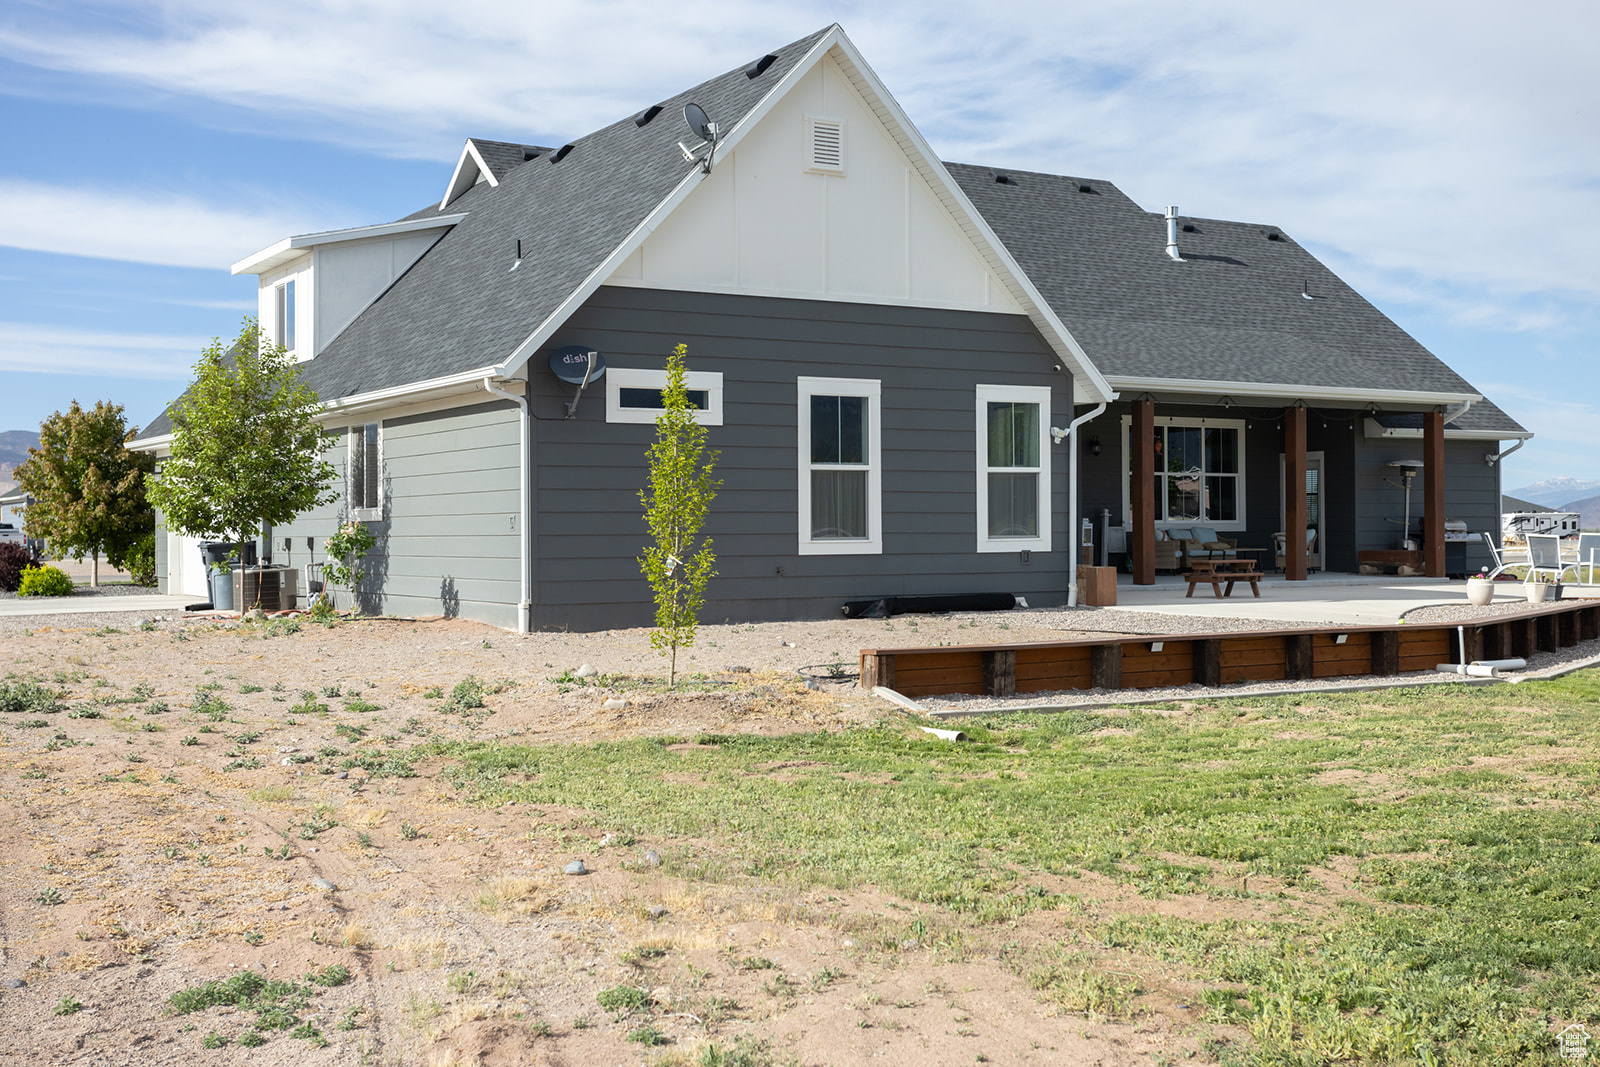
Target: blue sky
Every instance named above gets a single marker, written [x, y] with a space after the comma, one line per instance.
[1443, 157]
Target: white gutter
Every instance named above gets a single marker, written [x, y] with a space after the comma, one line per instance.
[525, 605]
[1495, 457]
[1074, 539]
[1455, 413]
[1288, 390]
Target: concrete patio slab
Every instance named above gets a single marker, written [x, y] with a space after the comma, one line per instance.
[1343, 599]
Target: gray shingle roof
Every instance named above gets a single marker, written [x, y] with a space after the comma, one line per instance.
[1233, 313]
[461, 307]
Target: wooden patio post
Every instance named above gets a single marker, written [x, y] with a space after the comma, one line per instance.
[1142, 457]
[1433, 494]
[1294, 494]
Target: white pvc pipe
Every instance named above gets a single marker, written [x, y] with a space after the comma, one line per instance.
[1074, 535]
[1514, 664]
[524, 606]
[1468, 670]
[946, 735]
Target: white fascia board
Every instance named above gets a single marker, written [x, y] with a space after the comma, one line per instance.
[1289, 390]
[158, 443]
[608, 266]
[459, 183]
[1376, 430]
[283, 251]
[1097, 387]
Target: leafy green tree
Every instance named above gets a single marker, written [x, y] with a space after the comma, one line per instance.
[88, 490]
[681, 490]
[246, 447]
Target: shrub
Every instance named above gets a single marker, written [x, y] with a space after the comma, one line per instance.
[13, 558]
[141, 560]
[44, 581]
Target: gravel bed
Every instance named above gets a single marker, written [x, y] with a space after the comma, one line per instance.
[1095, 622]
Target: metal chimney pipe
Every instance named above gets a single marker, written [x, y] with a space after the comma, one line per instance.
[1172, 234]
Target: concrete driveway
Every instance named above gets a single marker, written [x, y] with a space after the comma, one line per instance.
[153, 604]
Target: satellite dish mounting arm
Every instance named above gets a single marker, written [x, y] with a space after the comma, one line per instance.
[572, 408]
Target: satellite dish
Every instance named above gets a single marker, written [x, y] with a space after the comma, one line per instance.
[699, 122]
[572, 364]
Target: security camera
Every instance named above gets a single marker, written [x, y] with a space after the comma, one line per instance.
[1058, 435]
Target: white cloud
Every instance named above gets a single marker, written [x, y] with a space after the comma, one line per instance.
[30, 348]
[143, 228]
[1427, 140]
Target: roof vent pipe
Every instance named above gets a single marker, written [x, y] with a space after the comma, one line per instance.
[1172, 235]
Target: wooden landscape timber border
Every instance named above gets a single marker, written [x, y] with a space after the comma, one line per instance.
[1159, 660]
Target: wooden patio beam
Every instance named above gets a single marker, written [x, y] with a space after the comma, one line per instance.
[1294, 494]
[1433, 494]
[1141, 455]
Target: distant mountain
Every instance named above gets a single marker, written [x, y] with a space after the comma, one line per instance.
[1557, 492]
[14, 445]
[1588, 510]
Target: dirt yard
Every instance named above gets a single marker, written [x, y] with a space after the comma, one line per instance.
[208, 802]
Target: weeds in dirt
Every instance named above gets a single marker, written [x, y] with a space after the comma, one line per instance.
[48, 896]
[409, 832]
[622, 1000]
[647, 1036]
[210, 705]
[30, 697]
[68, 1005]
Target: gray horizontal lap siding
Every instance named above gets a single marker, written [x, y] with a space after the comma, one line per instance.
[446, 544]
[589, 520]
[1471, 493]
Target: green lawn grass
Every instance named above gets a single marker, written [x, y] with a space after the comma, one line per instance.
[1470, 816]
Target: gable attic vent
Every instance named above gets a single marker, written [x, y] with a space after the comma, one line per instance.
[759, 67]
[643, 118]
[561, 153]
[825, 145]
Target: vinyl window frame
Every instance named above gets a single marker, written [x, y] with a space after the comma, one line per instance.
[284, 313]
[871, 389]
[1040, 396]
[1189, 422]
[620, 378]
[362, 508]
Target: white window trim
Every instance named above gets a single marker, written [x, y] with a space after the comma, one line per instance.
[372, 514]
[1203, 422]
[812, 166]
[282, 310]
[620, 378]
[1017, 394]
[871, 388]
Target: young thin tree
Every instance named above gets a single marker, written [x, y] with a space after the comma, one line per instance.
[88, 490]
[678, 562]
[246, 447]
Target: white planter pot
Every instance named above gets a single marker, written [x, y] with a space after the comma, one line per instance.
[1536, 591]
[1480, 591]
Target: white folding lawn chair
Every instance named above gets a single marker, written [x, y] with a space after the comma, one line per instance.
[1544, 557]
[1588, 557]
[1511, 557]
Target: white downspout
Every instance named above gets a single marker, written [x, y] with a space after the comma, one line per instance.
[1452, 414]
[1074, 536]
[1495, 457]
[524, 606]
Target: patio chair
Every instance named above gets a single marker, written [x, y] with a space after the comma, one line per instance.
[1588, 557]
[1280, 551]
[1505, 559]
[1204, 539]
[1544, 557]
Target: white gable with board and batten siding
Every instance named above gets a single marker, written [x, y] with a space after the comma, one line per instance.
[819, 201]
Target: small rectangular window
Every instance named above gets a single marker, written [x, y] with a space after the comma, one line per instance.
[365, 477]
[840, 466]
[633, 394]
[1013, 468]
[285, 315]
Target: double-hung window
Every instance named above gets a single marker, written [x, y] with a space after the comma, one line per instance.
[365, 472]
[841, 467]
[1013, 468]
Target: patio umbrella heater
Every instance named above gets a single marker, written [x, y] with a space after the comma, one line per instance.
[1408, 473]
